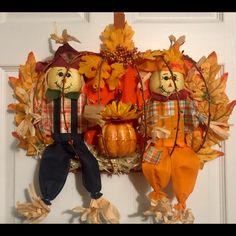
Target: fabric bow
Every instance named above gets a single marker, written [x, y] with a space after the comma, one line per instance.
[181, 95]
[52, 94]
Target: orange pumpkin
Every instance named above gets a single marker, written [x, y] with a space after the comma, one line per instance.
[118, 140]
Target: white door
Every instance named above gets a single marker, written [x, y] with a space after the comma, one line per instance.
[213, 199]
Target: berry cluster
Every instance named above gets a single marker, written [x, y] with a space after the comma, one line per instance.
[121, 55]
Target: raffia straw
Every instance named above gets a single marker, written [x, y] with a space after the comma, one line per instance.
[34, 211]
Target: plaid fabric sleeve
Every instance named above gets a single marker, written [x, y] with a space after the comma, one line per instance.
[82, 123]
[152, 112]
[46, 117]
[191, 119]
[152, 155]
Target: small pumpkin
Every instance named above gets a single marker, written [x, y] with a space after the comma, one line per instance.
[118, 139]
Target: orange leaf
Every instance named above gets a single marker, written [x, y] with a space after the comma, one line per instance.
[13, 81]
[22, 143]
[20, 107]
[230, 107]
[212, 58]
[217, 89]
[19, 117]
[27, 72]
[31, 59]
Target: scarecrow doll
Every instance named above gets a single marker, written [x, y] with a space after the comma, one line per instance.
[171, 115]
[62, 118]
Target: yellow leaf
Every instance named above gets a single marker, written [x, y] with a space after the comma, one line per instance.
[113, 37]
[117, 72]
[107, 32]
[208, 154]
[19, 117]
[151, 55]
[117, 37]
[89, 65]
[113, 83]
[173, 55]
[104, 74]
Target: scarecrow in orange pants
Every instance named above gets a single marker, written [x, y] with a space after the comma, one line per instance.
[170, 115]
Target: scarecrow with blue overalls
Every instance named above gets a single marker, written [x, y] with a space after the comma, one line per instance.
[62, 118]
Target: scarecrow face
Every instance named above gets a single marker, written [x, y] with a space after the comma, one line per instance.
[161, 82]
[58, 75]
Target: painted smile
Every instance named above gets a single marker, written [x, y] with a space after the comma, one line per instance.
[163, 90]
[60, 86]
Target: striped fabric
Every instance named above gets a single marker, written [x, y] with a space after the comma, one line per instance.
[46, 124]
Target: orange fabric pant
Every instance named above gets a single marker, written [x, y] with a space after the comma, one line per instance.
[181, 167]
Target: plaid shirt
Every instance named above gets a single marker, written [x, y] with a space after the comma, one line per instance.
[165, 114]
[46, 124]
[187, 109]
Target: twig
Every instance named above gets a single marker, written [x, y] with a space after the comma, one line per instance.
[208, 99]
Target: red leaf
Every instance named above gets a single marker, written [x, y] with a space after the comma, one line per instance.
[14, 134]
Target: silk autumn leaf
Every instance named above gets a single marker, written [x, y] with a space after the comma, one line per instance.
[149, 60]
[27, 132]
[196, 87]
[113, 38]
[173, 55]
[89, 65]
[27, 72]
[217, 100]
[94, 68]
[118, 71]
[208, 154]
[217, 90]
[151, 55]
[101, 76]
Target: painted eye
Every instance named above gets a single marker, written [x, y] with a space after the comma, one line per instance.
[60, 74]
[68, 75]
[174, 77]
[165, 77]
